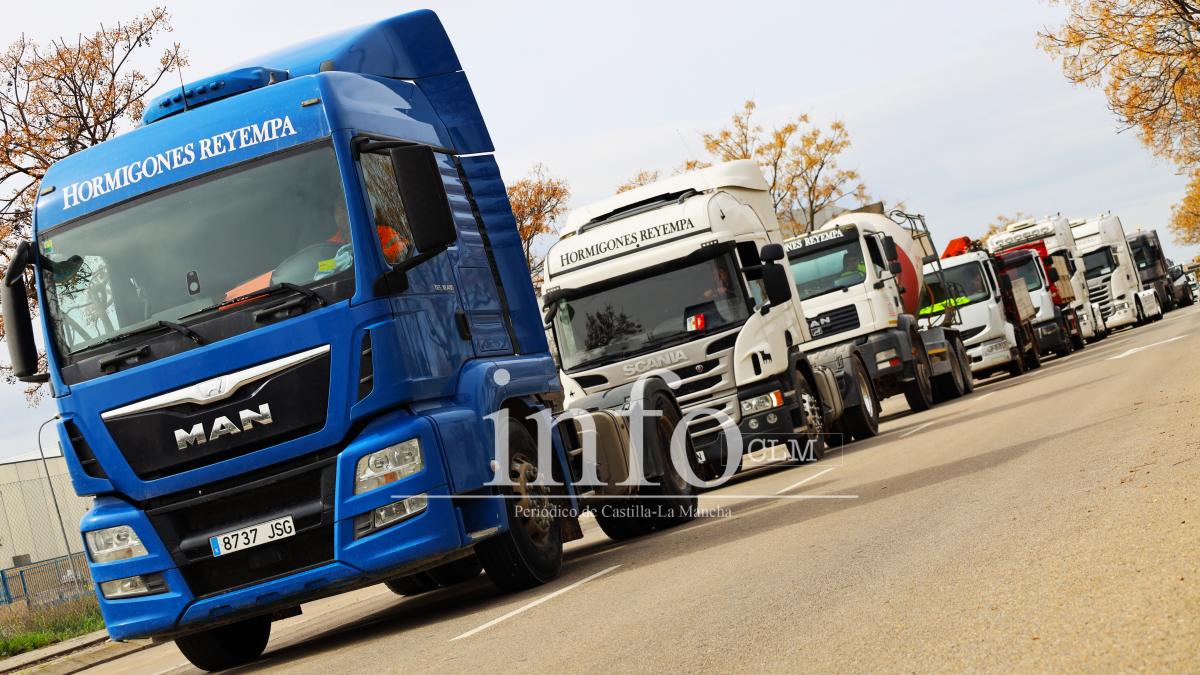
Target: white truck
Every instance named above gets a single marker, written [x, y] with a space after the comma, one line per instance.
[1052, 239]
[682, 277]
[859, 277]
[995, 313]
[1112, 275]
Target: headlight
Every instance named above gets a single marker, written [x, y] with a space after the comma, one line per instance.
[114, 543]
[132, 587]
[388, 466]
[760, 403]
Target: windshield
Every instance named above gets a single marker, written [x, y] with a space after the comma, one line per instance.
[1027, 270]
[829, 269]
[1141, 254]
[1099, 263]
[650, 313]
[169, 255]
[964, 284]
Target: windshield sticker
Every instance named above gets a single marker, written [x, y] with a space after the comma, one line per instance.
[175, 158]
[48, 246]
[327, 265]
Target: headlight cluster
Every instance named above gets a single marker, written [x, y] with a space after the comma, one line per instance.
[388, 466]
[758, 404]
[114, 543]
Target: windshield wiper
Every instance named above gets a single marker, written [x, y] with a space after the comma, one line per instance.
[150, 328]
[262, 293]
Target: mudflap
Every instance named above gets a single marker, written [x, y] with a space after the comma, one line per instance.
[937, 341]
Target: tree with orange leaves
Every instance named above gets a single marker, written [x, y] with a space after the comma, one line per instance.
[799, 160]
[59, 98]
[538, 201]
[1145, 54]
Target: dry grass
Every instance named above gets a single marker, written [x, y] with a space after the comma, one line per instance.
[24, 629]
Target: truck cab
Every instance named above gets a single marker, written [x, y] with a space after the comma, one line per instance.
[1154, 269]
[995, 313]
[1113, 280]
[1052, 239]
[289, 328]
[859, 277]
[672, 280]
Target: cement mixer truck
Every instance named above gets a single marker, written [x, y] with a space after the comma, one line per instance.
[860, 280]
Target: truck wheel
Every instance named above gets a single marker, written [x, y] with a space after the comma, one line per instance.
[1141, 313]
[226, 646]
[530, 552]
[965, 359]
[1065, 346]
[1033, 358]
[1077, 340]
[862, 421]
[814, 419]
[1016, 367]
[413, 584]
[951, 385]
[919, 392]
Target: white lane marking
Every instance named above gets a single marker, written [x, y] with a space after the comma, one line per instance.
[535, 603]
[797, 484]
[910, 432]
[985, 396]
[1135, 350]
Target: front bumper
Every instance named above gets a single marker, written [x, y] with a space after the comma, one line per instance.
[289, 571]
[1123, 314]
[990, 355]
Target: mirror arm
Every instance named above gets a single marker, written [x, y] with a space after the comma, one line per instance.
[395, 280]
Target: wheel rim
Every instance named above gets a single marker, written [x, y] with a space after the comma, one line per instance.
[812, 416]
[923, 373]
[664, 429]
[864, 394]
[533, 502]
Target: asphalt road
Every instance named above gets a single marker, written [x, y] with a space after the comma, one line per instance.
[1047, 522]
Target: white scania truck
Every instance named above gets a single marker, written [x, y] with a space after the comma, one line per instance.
[1052, 239]
[682, 276]
[860, 279]
[1112, 275]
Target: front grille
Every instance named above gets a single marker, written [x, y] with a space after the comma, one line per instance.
[834, 321]
[296, 399]
[305, 492]
[1102, 295]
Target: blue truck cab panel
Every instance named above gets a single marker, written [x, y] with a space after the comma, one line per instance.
[249, 414]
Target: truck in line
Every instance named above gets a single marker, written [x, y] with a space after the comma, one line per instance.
[681, 277]
[1052, 239]
[859, 278]
[1114, 283]
[1185, 286]
[995, 312]
[295, 349]
[1154, 270]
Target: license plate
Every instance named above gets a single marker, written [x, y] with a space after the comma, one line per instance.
[255, 535]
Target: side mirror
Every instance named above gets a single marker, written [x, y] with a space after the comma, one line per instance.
[777, 282]
[894, 267]
[18, 322]
[419, 182]
[771, 253]
[889, 249]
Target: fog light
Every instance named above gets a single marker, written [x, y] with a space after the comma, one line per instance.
[772, 418]
[132, 587]
[389, 514]
[388, 466]
[753, 424]
[114, 543]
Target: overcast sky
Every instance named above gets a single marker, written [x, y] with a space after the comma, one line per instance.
[950, 104]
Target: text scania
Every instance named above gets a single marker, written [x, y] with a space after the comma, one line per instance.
[174, 158]
[632, 239]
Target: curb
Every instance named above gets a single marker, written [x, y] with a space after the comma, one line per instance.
[74, 655]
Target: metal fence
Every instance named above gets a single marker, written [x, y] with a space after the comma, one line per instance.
[41, 559]
[47, 582]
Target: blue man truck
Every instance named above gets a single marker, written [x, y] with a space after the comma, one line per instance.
[295, 347]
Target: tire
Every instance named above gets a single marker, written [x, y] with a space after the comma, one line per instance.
[530, 552]
[919, 392]
[1016, 367]
[965, 359]
[226, 646]
[813, 418]
[1033, 358]
[862, 421]
[1065, 349]
[673, 500]
[413, 584]
[1077, 339]
[1141, 314]
[952, 385]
